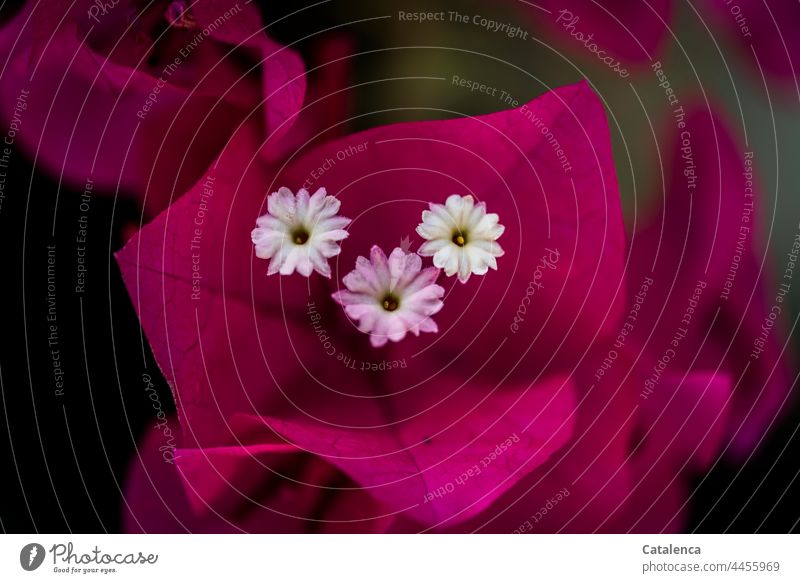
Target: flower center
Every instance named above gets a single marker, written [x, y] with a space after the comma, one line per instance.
[300, 236]
[459, 238]
[390, 303]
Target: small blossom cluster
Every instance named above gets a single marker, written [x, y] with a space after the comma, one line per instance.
[388, 296]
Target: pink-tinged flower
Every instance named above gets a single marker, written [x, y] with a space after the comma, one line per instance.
[461, 237]
[140, 97]
[713, 304]
[390, 297]
[434, 430]
[625, 36]
[299, 232]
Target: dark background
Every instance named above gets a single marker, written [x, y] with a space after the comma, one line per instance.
[63, 458]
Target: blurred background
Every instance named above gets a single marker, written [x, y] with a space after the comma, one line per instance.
[63, 459]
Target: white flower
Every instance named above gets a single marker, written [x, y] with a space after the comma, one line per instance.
[299, 232]
[461, 236]
[390, 297]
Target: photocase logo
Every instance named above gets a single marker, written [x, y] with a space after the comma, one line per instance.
[31, 556]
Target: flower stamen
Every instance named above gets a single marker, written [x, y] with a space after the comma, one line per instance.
[459, 239]
[390, 303]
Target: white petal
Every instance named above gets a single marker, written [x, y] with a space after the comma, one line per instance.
[436, 223]
[431, 247]
[281, 205]
[447, 259]
[317, 202]
[301, 205]
[288, 265]
[278, 259]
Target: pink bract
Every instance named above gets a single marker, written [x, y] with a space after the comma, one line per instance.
[702, 247]
[136, 106]
[265, 360]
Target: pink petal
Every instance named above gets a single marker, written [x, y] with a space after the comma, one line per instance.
[626, 467]
[449, 463]
[765, 34]
[685, 418]
[243, 488]
[695, 238]
[584, 486]
[631, 32]
[85, 115]
[682, 429]
[328, 104]
[154, 500]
